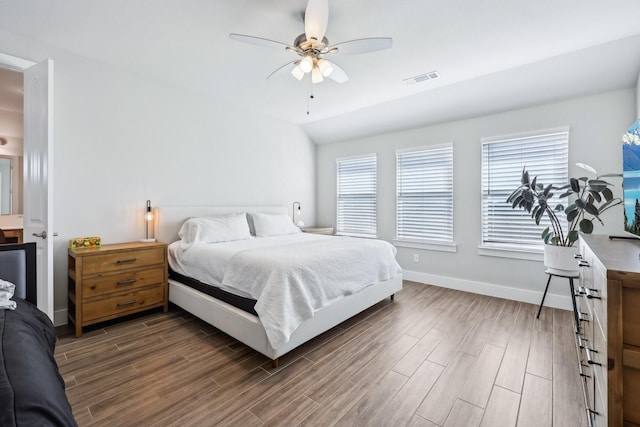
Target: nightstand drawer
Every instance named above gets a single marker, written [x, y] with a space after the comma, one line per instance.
[108, 262]
[117, 304]
[120, 282]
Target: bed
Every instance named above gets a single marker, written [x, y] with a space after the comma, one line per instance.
[32, 391]
[249, 327]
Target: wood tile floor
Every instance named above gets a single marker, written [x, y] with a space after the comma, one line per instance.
[433, 357]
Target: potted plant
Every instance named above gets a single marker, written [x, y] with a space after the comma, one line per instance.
[591, 198]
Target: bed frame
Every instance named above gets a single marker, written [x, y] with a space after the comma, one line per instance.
[246, 327]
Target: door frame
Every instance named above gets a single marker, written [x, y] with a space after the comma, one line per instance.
[45, 302]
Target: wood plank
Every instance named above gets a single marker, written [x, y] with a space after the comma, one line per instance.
[294, 413]
[502, 409]
[568, 398]
[478, 387]
[438, 403]
[343, 399]
[411, 361]
[464, 414]
[401, 407]
[540, 360]
[536, 407]
[365, 411]
[514, 362]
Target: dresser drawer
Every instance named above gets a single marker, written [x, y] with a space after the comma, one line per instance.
[108, 262]
[631, 316]
[598, 295]
[117, 304]
[118, 282]
[631, 395]
[599, 363]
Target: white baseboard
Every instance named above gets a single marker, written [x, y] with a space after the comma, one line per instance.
[60, 317]
[517, 294]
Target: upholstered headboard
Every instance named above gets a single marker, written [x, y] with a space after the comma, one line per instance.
[170, 218]
[18, 266]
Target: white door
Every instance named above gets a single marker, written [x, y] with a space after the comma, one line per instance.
[38, 174]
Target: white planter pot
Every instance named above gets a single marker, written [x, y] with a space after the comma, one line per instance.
[560, 260]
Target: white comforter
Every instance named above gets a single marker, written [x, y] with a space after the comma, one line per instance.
[290, 277]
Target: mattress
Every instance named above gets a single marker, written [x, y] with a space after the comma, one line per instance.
[291, 276]
[244, 304]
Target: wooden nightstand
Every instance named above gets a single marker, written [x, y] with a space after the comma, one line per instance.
[116, 280]
[318, 230]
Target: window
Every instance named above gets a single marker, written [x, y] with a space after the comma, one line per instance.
[356, 193]
[545, 155]
[424, 205]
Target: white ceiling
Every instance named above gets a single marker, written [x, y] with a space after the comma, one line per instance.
[492, 55]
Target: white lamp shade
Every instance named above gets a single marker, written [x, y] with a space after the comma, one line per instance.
[306, 64]
[326, 68]
[316, 76]
[297, 72]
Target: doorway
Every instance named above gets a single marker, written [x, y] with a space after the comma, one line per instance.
[37, 188]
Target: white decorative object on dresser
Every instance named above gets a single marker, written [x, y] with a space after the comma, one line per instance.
[608, 333]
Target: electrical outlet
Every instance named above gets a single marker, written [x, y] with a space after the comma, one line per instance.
[416, 258]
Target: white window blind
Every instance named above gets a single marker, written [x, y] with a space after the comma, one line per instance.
[545, 156]
[356, 193]
[424, 205]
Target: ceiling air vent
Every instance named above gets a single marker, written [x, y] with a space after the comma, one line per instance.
[422, 78]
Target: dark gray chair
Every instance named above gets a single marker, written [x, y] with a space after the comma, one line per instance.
[18, 266]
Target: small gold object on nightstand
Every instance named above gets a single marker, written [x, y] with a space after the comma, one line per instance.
[318, 230]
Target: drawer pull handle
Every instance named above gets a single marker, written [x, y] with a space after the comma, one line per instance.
[580, 290]
[125, 282]
[126, 261]
[577, 256]
[582, 342]
[125, 304]
[590, 360]
[583, 317]
[582, 373]
[583, 263]
[590, 295]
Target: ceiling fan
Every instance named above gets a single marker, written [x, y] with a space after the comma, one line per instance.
[312, 46]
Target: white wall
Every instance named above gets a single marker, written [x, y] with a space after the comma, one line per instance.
[596, 127]
[121, 139]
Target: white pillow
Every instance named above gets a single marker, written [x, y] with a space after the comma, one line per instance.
[215, 229]
[267, 224]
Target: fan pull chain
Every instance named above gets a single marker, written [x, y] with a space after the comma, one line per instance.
[310, 95]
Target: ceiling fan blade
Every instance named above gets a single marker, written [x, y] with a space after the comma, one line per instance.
[282, 71]
[354, 47]
[316, 19]
[259, 41]
[337, 75]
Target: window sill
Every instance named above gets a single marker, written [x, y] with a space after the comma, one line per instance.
[511, 252]
[430, 246]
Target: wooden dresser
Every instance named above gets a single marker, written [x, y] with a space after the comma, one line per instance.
[116, 280]
[608, 334]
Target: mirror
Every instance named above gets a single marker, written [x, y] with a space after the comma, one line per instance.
[5, 186]
[10, 185]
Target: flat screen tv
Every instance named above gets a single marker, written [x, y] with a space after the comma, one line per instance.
[631, 178]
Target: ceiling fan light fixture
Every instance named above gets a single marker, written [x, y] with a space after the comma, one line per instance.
[325, 67]
[297, 72]
[316, 75]
[306, 64]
